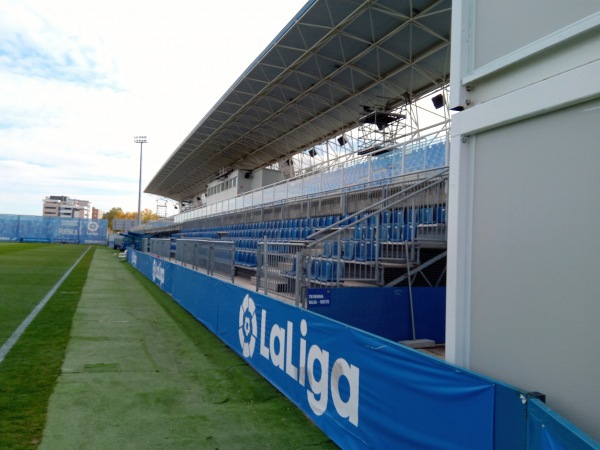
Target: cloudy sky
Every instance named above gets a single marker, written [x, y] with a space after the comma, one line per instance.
[79, 79]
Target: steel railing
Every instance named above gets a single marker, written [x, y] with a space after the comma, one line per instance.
[212, 256]
[383, 236]
[357, 249]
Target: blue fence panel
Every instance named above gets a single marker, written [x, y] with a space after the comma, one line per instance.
[385, 311]
[549, 431]
[53, 229]
[9, 227]
[362, 390]
[32, 229]
[192, 293]
[93, 231]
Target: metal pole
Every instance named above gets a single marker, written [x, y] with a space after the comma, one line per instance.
[141, 140]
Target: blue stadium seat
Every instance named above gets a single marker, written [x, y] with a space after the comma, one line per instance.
[371, 232]
[242, 258]
[348, 250]
[315, 269]
[384, 231]
[426, 215]
[329, 271]
[360, 232]
[252, 259]
[294, 233]
[440, 214]
[412, 215]
[386, 217]
[395, 232]
[365, 251]
[409, 232]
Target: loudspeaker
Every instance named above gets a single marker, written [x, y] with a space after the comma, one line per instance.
[438, 101]
[342, 140]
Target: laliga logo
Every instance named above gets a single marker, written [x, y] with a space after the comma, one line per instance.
[342, 379]
[247, 330]
[93, 227]
[158, 272]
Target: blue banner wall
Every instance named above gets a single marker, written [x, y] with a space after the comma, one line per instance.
[52, 229]
[362, 390]
[385, 311]
[549, 431]
[9, 227]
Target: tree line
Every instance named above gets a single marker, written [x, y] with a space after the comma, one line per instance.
[118, 213]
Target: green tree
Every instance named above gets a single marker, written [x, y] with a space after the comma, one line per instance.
[148, 215]
[118, 213]
[114, 213]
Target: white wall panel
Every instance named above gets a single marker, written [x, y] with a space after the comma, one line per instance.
[524, 244]
[501, 27]
[535, 292]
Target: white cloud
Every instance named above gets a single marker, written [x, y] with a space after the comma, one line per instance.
[79, 79]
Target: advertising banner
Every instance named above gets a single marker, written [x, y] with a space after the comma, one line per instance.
[9, 227]
[93, 231]
[63, 230]
[53, 229]
[362, 390]
[33, 229]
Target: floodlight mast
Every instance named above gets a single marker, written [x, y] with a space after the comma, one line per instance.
[141, 140]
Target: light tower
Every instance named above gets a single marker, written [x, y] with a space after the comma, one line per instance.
[141, 140]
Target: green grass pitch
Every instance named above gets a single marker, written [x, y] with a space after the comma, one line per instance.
[29, 371]
[220, 403]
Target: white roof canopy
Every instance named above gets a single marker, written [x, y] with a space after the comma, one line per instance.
[312, 83]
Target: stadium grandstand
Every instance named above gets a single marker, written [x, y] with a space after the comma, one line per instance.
[324, 154]
[328, 179]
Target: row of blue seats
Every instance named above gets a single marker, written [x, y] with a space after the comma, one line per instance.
[424, 215]
[245, 259]
[386, 232]
[273, 233]
[316, 222]
[383, 232]
[323, 270]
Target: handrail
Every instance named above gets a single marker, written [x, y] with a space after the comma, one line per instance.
[339, 166]
[376, 205]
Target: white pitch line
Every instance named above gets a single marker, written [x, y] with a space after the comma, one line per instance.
[12, 340]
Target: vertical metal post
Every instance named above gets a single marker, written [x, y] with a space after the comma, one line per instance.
[410, 297]
[141, 140]
[264, 266]
[232, 259]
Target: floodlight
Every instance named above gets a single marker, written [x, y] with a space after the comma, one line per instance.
[140, 140]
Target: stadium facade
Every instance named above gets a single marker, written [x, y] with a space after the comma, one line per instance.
[350, 104]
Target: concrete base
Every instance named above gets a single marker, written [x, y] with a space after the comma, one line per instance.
[418, 343]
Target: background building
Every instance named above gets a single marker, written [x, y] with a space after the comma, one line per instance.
[97, 213]
[63, 206]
